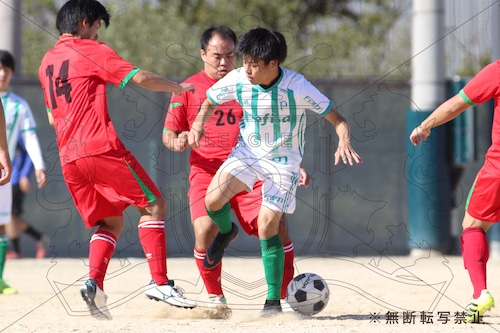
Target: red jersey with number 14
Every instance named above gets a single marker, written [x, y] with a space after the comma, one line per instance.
[73, 75]
[221, 130]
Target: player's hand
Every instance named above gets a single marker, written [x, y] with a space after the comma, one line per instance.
[419, 135]
[304, 180]
[181, 142]
[41, 178]
[185, 87]
[24, 184]
[5, 168]
[346, 154]
[195, 135]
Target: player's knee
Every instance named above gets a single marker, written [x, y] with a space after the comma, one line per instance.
[159, 208]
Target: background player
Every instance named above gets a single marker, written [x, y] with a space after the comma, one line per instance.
[222, 130]
[482, 206]
[22, 168]
[274, 101]
[20, 122]
[73, 75]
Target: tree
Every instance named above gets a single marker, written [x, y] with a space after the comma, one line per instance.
[325, 38]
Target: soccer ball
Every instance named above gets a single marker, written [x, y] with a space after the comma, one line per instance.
[308, 294]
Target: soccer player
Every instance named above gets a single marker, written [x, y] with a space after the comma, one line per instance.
[482, 206]
[22, 168]
[73, 75]
[270, 146]
[222, 130]
[20, 122]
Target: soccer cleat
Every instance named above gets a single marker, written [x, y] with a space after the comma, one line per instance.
[218, 246]
[285, 306]
[169, 294]
[271, 308]
[217, 307]
[5, 289]
[41, 246]
[477, 307]
[95, 299]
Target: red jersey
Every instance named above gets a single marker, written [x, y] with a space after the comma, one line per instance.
[73, 75]
[221, 130]
[484, 86]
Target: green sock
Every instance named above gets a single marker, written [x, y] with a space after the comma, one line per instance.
[273, 256]
[222, 218]
[3, 252]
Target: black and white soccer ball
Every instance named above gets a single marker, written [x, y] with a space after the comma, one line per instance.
[308, 294]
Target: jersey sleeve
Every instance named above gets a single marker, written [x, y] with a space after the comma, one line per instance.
[313, 99]
[224, 90]
[176, 119]
[111, 67]
[484, 86]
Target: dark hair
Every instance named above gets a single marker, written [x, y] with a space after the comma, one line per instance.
[7, 60]
[262, 44]
[75, 10]
[221, 30]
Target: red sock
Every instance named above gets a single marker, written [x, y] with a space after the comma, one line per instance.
[211, 277]
[475, 254]
[288, 269]
[101, 248]
[154, 244]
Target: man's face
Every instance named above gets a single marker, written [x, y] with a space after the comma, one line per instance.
[219, 57]
[260, 73]
[89, 31]
[6, 74]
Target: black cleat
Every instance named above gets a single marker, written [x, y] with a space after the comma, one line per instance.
[216, 250]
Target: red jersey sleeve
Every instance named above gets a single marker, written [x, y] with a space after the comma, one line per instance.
[110, 67]
[484, 86]
[177, 118]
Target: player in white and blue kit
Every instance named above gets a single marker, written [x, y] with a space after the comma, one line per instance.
[270, 147]
[19, 121]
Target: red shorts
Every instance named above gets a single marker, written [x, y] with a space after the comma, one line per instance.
[246, 205]
[483, 202]
[105, 185]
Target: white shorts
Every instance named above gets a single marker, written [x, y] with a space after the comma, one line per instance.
[6, 203]
[279, 180]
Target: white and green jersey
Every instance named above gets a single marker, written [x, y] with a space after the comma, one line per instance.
[20, 121]
[274, 119]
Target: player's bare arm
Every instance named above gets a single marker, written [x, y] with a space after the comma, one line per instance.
[5, 163]
[197, 131]
[344, 151]
[152, 81]
[444, 113]
[51, 119]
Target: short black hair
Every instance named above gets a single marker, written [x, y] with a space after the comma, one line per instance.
[262, 44]
[75, 10]
[222, 30]
[7, 60]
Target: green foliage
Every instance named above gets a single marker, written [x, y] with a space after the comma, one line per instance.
[326, 39]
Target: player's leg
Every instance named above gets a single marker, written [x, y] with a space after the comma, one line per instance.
[288, 268]
[134, 186]
[482, 206]
[246, 206]
[205, 231]
[272, 257]
[475, 254]
[5, 212]
[14, 228]
[221, 189]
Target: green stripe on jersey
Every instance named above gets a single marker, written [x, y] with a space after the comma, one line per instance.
[466, 98]
[275, 113]
[128, 77]
[255, 110]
